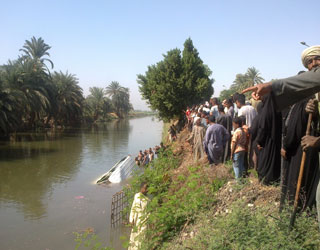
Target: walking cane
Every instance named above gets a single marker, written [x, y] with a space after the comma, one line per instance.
[303, 160]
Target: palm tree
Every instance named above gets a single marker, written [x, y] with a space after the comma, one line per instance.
[98, 103]
[121, 102]
[120, 98]
[36, 49]
[253, 77]
[9, 107]
[240, 82]
[37, 84]
[69, 98]
[114, 88]
[27, 78]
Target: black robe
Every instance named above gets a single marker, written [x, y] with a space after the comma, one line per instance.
[296, 129]
[269, 138]
[253, 131]
[285, 162]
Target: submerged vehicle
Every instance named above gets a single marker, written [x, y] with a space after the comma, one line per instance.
[120, 171]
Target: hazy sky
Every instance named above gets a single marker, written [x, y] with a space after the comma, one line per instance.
[104, 41]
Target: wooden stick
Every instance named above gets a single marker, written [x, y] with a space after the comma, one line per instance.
[303, 160]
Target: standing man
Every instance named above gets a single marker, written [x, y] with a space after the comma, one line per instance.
[214, 108]
[215, 140]
[229, 105]
[172, 133]
[293, 89]
[196, 139]
[245, 110]
[268, 142]
[138, 217]
[226, 121]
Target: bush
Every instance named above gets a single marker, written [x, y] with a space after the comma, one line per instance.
[245, 228]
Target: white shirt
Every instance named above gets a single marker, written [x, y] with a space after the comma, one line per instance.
[249, 112]
[214, 110]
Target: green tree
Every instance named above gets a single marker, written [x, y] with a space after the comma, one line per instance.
[36, 49]
[120, 98]
[253, 77]
[195, 75]
[37, 82]
[226, 93]
[28, 79]
[98, 104]
[243, 81]
[114, 88]
[176, 82]
[121, 103]
[9, 105]
[69, 98]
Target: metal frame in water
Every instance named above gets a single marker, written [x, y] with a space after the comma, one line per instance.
[118, 204]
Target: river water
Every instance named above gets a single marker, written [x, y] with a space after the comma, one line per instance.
[46, 183]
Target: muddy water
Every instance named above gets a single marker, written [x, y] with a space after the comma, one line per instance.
[46, 183]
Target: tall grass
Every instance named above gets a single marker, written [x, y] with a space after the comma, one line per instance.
[246, 228]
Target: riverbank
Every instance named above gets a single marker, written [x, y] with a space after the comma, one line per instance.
[197, 206]
[41, 130]
[139, 113]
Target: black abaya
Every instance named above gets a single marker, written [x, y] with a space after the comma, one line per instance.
[269, 138]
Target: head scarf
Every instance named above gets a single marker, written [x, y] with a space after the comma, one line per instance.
[309, 52]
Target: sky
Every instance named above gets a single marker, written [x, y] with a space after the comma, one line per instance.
[105, 41]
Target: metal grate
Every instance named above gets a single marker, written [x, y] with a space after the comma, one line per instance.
[119, 203]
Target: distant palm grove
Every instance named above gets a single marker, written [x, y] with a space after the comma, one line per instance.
[32, 97]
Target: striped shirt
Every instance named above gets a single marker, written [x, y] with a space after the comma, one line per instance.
[239, 140]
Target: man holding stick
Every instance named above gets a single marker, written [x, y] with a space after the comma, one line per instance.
[293, 89]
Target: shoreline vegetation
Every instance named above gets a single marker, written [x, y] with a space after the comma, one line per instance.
[60, 128]
[33, 97]
[198, 206]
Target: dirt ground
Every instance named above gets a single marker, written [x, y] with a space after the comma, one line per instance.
[251, 191]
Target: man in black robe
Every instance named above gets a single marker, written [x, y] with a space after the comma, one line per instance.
[290, 90]
[292, 151]
[268, 142]
[253, 131]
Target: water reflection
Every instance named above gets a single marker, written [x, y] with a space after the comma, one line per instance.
[13, 154]
[121, 130]
[42, 174]
[31, 166]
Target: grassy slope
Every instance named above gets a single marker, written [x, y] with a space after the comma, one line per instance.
[191, 214]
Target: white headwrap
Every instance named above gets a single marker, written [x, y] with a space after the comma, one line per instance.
[308, 52]
[196, 119]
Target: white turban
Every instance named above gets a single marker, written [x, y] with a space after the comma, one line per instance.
[309, 52]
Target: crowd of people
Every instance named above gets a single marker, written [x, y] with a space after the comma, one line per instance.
[276, 132]
[221, 131]
[147, 156]
[264, 133]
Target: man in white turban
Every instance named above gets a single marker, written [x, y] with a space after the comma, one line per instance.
[311, 57]
[290, 90]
